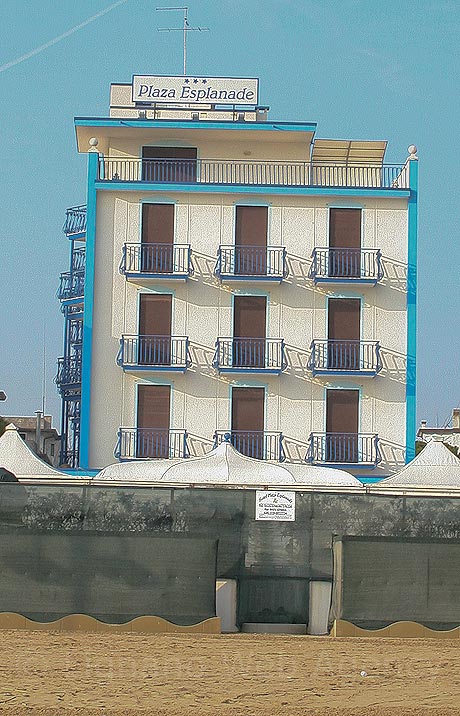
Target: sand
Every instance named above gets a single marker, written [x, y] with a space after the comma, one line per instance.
[71, 674]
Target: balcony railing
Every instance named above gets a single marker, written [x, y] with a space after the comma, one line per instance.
[258, 444]
[250, 354]
[344, 449]
[76, 332]
[143, 443]
[336, 265]
[154, 352]
[72, 285]
[328, 356]
[75, 220]
[270, 173]
[258, 262]
[163, 260]
[69, 372]
[78, 259]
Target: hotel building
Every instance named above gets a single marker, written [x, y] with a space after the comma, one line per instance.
[234, 277]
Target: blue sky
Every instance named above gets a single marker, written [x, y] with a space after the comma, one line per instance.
[362, 69]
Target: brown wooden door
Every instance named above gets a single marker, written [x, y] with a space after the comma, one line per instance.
[342, 418]
[344, 327]
[157, 238]
[248, 421]
[153, 417]
[249, 331]
[345, 243]
[169, 164]
[251, 240]
[154, 343]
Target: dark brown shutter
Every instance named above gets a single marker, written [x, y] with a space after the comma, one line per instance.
[249, 316]
[344, 319]
[154, 329]
[248, 409]
[251, 240]
[153, 416]
[345, 228]
[342, 408]
[169, 152]
[158, 223]
[169, 164]
[155, 314]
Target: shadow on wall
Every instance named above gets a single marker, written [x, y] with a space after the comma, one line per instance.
[394, 274]
[295, 450]
[298, 362]
[198, 446]
[204, 269]
[202, 358]
[299, 272]
[394, 365]
[393, 455]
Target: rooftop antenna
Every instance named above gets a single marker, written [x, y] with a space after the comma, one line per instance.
[186, 28]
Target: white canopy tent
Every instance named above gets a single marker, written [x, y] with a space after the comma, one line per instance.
[225, 466]
[434, 467]
[19, 459]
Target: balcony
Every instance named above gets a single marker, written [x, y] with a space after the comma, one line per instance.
[255, 263]
[147, 443]
[216, 172]
[75, 222]
[345, 358]
[258, 444]
[363, 266]
[69, 372]
[357, 449]
[166, 353]
[72, 286]
[249, 355]
[160, 261]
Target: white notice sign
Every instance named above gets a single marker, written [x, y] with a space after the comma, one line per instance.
[195, 90]
[277, 505]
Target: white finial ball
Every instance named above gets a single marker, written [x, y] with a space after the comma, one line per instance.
[93, 142]
[412, 149]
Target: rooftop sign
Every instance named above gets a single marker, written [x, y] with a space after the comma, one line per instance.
[195, 90]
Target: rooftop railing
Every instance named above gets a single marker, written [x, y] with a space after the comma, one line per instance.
[258, 262]
[259, 444]
[331, 356]
[252, 354]
[270, 173]
[144, 443]
[154, 352]
[163, 260]
[343, 448]
[75, 220]
[335, 264]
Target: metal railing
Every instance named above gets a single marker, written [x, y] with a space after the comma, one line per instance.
[344, 448]
[69, 371]
[269, 173]
[265, 354]
[72, 285]
[258, 444]
[76, 331]
[154, 352]
[258, 261]
[75, 220]
[142, 443]
[331, 355]
[157, 259]
[79, 259]
[359, 264]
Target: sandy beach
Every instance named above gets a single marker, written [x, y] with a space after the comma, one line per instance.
[55, 674]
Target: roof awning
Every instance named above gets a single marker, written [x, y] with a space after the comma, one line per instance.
[344, 151]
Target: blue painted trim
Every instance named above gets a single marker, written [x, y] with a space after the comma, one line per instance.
[262, 371]
[85, 409]
[153, 369]
[190, 124]
[347, 281]
[248, 278]
[250, 189]
[411, 375]
[157, 276]
[337, 373]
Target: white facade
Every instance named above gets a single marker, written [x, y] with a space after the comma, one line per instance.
[202, 305]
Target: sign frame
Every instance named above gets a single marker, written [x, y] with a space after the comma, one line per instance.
[193, 89]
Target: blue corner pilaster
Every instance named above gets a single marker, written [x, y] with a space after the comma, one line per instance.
[411, 311]
[93, 158]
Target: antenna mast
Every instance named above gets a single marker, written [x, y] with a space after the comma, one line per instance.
[186, 28]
